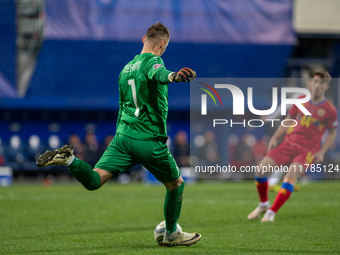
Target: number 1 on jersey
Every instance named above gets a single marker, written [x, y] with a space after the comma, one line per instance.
[134, 95]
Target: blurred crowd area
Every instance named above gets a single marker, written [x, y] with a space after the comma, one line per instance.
[23, 141]
[49, 83]
[238, 147]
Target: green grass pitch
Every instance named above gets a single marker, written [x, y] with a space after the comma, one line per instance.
[120, 219]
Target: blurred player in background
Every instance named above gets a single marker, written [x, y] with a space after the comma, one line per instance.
[275, 177]
[141, 132]
[301, 145]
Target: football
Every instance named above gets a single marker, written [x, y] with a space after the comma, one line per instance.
[160, 231]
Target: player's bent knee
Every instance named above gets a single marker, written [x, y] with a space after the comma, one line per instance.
[97, 178]
[179, 181]
[178, 190]
[290, 180]
[91, 186]
[295, 171]
[174, 184]
[104, 176]
[265, 167]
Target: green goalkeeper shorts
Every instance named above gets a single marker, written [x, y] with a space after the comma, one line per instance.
[124, 152]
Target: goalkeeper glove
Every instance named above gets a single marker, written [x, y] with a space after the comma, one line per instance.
[185, 74]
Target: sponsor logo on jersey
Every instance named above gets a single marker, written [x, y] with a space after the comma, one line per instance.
[321, 112]
[156, 66]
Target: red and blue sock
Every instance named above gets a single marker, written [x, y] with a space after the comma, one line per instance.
[262, 188]
[282, 196]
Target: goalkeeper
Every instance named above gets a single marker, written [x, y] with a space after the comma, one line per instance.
[141, 132]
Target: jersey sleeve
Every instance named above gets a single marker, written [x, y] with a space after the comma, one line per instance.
[155, 70]
[332, 121]
[293, 111]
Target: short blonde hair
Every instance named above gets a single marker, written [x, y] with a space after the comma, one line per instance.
[158, 31]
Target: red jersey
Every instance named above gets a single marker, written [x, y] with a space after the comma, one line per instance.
[310, 128]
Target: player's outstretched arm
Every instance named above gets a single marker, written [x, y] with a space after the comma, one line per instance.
[184, 75]
[319, 156]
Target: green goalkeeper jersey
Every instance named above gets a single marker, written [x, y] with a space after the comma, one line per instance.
[143, 98]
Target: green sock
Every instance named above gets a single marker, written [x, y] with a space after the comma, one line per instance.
[84, 173]
[172, 207]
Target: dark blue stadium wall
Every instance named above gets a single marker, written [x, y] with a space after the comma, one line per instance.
[88, 43]
[65, 81]
[7, 49]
